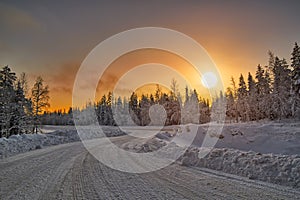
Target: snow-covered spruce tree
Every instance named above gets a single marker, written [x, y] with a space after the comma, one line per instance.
[158, 93]
[295, 98]
[118, 112]
[230, 106]
[231, 99]
[263, 93]
[268, 93]
[242, 103]
[145, 105]
[190, 111]
[281, 89]
[134, 109]
[252, 99]
[110, 119]
[15, 108]
[101, 110]
[40, 100]
[204, 111]
[21, 121]
[104, 110]
[7, 95]
[172, 108]
[86, 115]
[217, 108]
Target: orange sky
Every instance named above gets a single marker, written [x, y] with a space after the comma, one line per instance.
[52, 39]
[127, 62]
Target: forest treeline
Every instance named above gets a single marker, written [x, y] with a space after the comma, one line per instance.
[273, 92]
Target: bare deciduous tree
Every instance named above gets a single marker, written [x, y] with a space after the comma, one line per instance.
[40, 100]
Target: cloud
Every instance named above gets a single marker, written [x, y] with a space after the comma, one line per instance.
[16, 19]
[62, 79]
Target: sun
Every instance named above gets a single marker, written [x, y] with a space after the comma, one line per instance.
[209, 80]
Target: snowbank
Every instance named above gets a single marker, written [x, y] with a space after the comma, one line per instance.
[143, 146]
[268, 167]
[278, 169]
[16, 144]
[27, 142]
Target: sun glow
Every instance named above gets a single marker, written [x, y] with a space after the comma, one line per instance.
[209, 80]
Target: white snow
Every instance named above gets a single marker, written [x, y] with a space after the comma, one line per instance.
[242, 156]
[279, 169]
[26, 142]
[263, 137]
[52, 135]
[267, 151]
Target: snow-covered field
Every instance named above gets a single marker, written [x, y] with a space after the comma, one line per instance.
[263, 137]
[267, 151]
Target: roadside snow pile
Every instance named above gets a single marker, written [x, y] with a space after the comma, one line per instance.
[27, 142]
[143, 145]
[278, 169]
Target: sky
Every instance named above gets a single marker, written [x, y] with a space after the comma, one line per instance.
[52, 39]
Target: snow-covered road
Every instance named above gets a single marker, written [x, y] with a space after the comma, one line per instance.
[68, 171]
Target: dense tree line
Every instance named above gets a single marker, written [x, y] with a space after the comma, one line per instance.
[274, 93]
[135, 110]
[58, 117]
[19, 111]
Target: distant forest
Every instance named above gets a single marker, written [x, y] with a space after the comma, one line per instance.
[273, 92]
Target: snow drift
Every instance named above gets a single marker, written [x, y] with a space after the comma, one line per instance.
[16, 144]
[278, 169]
